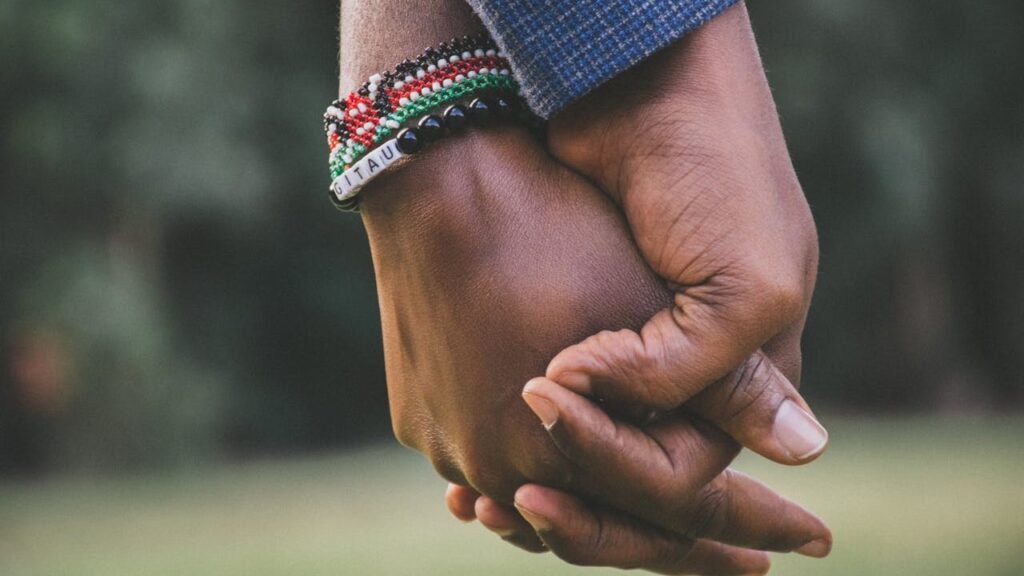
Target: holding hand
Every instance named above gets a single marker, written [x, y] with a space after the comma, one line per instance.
[486, 273]
[491, 257]
[688, 143]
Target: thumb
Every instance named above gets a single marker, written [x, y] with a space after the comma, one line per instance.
[754, 403]
[759, 407]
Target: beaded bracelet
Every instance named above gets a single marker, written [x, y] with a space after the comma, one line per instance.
[347, 184]
[468, 75]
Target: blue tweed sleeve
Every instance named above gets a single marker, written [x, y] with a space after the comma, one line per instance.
[562, 49]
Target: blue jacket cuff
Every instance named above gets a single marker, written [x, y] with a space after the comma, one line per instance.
[562, 49]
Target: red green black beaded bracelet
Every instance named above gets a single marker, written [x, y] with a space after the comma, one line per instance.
[359, 126]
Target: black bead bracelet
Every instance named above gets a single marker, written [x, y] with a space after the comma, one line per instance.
[413, 139]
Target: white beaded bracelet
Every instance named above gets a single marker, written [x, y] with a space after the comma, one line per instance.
[348, 185]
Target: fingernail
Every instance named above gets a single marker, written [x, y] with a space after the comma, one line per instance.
[539, 523]
[542, 407]
[576, 381]
[815, 548]
[798, 432]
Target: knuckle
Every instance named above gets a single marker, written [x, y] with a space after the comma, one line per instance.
[786, 291]
[580, 553]
[549, 467]
[779, 296]
[582, 548]
[574, 555]
[406, 432]
[493, 479]
[747, 386]
[446, 468]
[408, 439]
[614, 353]
[672, 553]
[708, 516]
[649, 357]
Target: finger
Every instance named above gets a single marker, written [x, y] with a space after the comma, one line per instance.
[593, 536]
[506, 522]
[737, 509]
[758, 406]
[678, 352]
[461, 502]
[755, 403]
[670, 474]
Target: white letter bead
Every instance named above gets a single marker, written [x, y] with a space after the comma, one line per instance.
[478, 53]
[420, 73]
[425, 91]
[491, 52]
[352, 180]
[375, 79]
[431, 69]
[353, 112]
[368, 126]
[442, 63]
[436, 86]
[404, 102]
[409, 78]
[471, 74]
[360, 131]
[459, 78]
[362, 107]
[447, 82]
[466, 55]
[453, 58]
[393, 124]
[399, 85]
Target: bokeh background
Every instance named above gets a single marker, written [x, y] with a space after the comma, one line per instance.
[190, 365]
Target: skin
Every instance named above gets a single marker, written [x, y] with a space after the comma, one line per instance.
[689, 146]
[486, 272]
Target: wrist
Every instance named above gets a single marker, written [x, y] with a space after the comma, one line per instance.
[426, 96]
[446, 202]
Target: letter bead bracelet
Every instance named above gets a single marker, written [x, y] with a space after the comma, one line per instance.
[396, 113]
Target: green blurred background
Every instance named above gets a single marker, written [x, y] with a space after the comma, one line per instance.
[190, 366]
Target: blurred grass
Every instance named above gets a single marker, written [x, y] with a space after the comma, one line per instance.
[909, 496]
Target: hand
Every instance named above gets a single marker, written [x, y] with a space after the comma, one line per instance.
[483, 274]
[707, 185]
[689, 144]
[671, 473]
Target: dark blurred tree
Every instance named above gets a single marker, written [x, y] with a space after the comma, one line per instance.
[906, 125]
[164, 213]
[174, 285]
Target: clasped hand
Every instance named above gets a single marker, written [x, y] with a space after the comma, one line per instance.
[654, 260]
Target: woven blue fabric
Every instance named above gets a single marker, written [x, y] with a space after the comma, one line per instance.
[562, 49]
